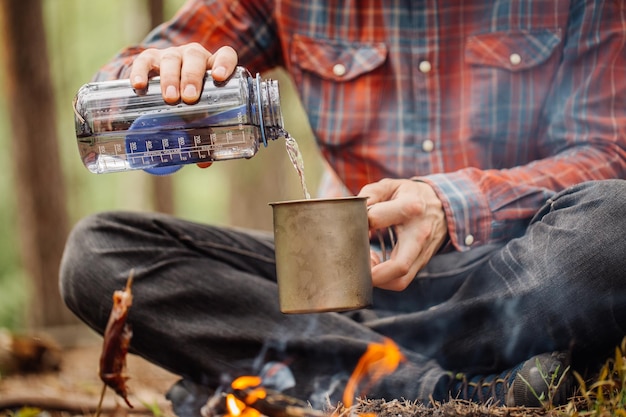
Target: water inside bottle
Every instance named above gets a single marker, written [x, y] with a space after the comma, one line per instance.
[116, 151]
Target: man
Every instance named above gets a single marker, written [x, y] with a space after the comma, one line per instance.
[490, 135]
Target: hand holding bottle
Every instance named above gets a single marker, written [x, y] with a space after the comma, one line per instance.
[182, 69]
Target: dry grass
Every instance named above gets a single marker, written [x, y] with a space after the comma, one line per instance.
[456, 408]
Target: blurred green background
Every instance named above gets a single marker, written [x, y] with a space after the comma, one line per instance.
[82, 36]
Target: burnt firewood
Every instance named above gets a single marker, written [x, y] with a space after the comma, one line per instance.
[276, 404]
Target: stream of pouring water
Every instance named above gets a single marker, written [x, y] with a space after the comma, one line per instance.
[296, 159]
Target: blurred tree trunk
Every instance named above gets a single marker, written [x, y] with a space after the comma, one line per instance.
[42, 217]
[162, 186]
[156, 12]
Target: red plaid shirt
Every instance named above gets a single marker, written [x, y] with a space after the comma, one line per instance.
[498, 105]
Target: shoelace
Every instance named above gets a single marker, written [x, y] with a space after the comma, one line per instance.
[485, 388]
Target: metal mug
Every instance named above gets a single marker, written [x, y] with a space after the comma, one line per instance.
[322, 254]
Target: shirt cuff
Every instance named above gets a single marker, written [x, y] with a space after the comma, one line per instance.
[466, 208]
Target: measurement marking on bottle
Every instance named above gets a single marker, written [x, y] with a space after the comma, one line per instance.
[149, 147]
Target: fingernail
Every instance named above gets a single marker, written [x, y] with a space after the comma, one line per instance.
[138, 79]
[190, 91]
[219, 72]
[170, 92]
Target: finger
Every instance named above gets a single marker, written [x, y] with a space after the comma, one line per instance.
[374, 259]
[413, 250]
[385, 214]
[223, 62]
[399, 271]
[171, 61]
[144, 65]
[194, 67]
[399, 210]
[370, 191]
[395, 274]
[378, 191]
[384, 276]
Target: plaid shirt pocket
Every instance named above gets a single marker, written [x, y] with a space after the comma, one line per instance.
[322, 57]
[511, 75]
[340, 86]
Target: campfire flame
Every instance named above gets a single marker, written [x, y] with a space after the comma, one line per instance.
[254, 392]
[249, 398]
[379, 359]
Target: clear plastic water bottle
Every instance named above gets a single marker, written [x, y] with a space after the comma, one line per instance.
[119, 129]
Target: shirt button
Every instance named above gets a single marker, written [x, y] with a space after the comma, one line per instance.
[515, 59]
[469, 239]
[339, 70]
[425, 67]
[428, 145]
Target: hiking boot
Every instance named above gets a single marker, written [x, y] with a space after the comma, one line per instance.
[542, 379]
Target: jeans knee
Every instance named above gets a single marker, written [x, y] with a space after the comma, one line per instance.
[612, 192]
[593, 215]
[72, 255]
[75, 284]
[603, 211]
[601, 201]
[610, 209]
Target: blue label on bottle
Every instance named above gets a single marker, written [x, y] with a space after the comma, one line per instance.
[154, 145]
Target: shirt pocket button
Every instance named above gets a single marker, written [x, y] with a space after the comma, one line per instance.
[339, 70]
[425, 67]
[515, 59]
[428, 145]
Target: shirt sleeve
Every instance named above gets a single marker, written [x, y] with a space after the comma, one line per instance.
[582, 136]
[246, 25]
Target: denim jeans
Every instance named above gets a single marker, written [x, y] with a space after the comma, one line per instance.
[206, 304]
